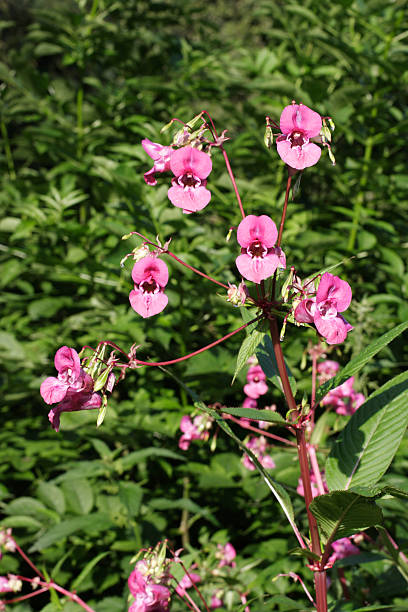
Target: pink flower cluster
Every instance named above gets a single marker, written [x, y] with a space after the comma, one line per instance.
[196, 429]
[226, 555]
[187, 582]
[343, 398]
[313, 482]
[150, 276]
[10, 584]
[259, 446]
[333, 296]
[71, 390]
[148, 596]
[299, 124]
[190, 167]
[259, 257]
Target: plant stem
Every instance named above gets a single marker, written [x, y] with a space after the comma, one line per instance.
[234, 184]
[285, 206]
[52, 585]
[257, 430]
[316, 469]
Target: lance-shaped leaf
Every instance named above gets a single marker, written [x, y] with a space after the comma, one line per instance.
[359, 362]
[247, 349]
[267, 361]
[368, 443]
[343, 513]
[256, 415]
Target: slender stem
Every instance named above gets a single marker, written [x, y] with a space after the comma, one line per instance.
[197, 590]
[28, 596]
[343, 582]
[297, 578]
[27, 560]
[257, 430]
[285, 206]
[94, 8]
[231, 175]
[52, 585]
[316, 470]
[201, 350]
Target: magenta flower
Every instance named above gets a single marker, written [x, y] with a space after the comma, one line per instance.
[161, 156]
[216, 602]
[298, 125]
[150, 276]
[194, 430]
[256, 383]
[258, 446]
[190, 168]
[326, 370]
[226, 554]
[333, 297]
[313, 484]
[259, 258]
[342, 548]
[344, 398]
[72, 390]
[149, 597]
[187, 582]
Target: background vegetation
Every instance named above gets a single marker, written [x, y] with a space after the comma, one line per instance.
[82, 83]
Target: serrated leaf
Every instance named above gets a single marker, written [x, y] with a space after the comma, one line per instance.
[368, 443]
[247, 349]
[257, 415]
[266, 357]
[359, 362]
[91, 523]
[343, 513]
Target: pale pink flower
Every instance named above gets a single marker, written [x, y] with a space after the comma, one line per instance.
[259, 257]
[226, 554]
[344, 398]
[194, 430]
[315, 491]
[190, 168]
[298, 125]
[326, 370]
[216, 602]
[4, 585]
[342, 548]
[333, 297]
[161, 156]
[186, 583]
[10, 584]
[259, 446]
[150, 276]
[256, 382]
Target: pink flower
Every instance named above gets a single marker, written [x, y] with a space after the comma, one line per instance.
[190, 168]
[259, 258]
[149, 597]
[10, 584]
[333, 296]
[298, 125]
[343, 548]
[256, 382]
[186, 583]
[216, 602]
[194, 430]
[72, 390]
[258, 446]
[226, 554]
[150, 276]
[326, 370]
[344, 398]
[161, 156]
[313, 483]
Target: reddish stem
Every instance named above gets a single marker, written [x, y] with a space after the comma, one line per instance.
[56, 587]
[28, 596]
[343, 582]
[257, 430]
[234, 184]
[201, 350]
[316, 470]
[27, 560]
[285, 206]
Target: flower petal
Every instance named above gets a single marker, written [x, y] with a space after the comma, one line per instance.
[53, 390]
[67, 358]
[298, 157]
[333, 330]
[192, 160]
[299, 116]
[257, 269]
[254, 228]
[303, 311]
[148, 304]
[190, 199]
[150, 266]
[332, 287]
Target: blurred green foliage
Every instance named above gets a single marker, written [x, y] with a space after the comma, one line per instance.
[82, 83]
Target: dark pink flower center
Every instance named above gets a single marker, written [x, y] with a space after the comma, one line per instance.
[327, 309]
[149, 286]
[189, 180]
[257, 249]
[297, 138]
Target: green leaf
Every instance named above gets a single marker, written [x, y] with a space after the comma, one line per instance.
[343, 513]
[256, 415]
[126, 463]
[51, 495]
[368, 443]
[79, 495]
[131, 494]
[86, 570]
[267, 361]
[304, 552]
[92, 523]
[359, 362]
[247, 349]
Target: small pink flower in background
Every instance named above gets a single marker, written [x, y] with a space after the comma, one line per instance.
[344, 398]
[186, 583]
[161, 156]
[343, 548]
[298, 125]
[149, 596]
[315, 490]
[10, 584]
[194, 430]
[333, 297]
[6, 541]
[259, 447]
[72, 390]
[326, 370]
[226, 554]
[190, 168]
[150, 276]
[237, 295]
[256, 383]
[259, 258]
[216, 602]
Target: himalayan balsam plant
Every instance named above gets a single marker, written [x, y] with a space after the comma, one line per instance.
[339, 488]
